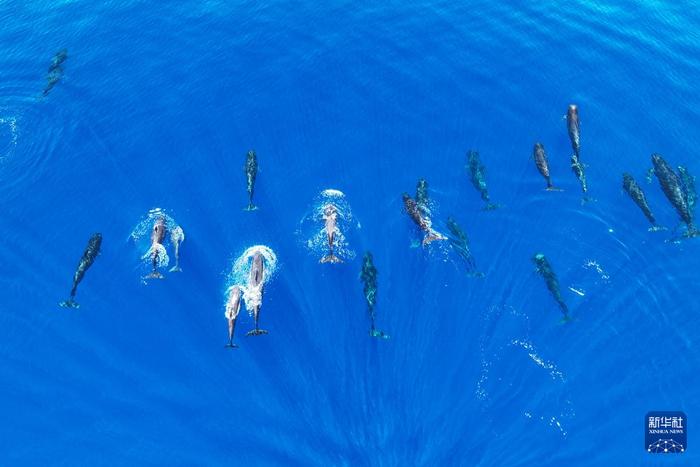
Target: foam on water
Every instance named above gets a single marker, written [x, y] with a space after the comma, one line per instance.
[141, 237]
[162, 258]
[8, 136]
[240, 274]
[313, 231]
[145, 225]
[508, 382]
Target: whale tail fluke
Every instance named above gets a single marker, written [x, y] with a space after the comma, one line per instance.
[432, 236]
[553, 188]
[491, 206]
[657, 228]
[256, 332]
[566, 319]
[378, 334]
[70, 303]
[176, 268]
[331, 258]
[250, 207]
[231, 345]
[154, 275]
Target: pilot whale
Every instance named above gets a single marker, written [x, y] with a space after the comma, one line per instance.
[421, 220]
[672, 187]
[233, 306]
[89, 255]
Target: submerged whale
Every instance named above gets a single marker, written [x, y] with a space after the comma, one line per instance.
[89, 255]
[550, 280]
[55, 72]
[233, 306]
[368, 276]
[177, 236]
[672, 187]
[635, 192]
[542, 164]
[477, 173]
[460, 242]
[251, 173]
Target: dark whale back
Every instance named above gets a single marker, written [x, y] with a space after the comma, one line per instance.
[572, 125]
[671, 186]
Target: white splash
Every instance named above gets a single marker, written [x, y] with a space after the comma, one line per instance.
[11, 124]
[554, 372]
[240, 274]
[141, 236]
[145, 225]
[332, 193]
[161, 255]
[313, 225]
[592, 264]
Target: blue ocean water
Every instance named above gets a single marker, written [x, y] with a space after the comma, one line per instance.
[158, 107]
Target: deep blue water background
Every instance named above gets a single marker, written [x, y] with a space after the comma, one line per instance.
[158, 107]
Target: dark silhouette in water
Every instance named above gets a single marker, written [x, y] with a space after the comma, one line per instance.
[635, 192]
[423, 203]
[369, 278]
[673, 189]
[251, 172]
[542, 165]
[460, 242]
[572, 126]
[55, 70]
[233, 306]
[688, 186]
[91, 252]
[421, 220]
[579, 170]
[422, 199]
[477, 172]
[256, 281]
[550, 279]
